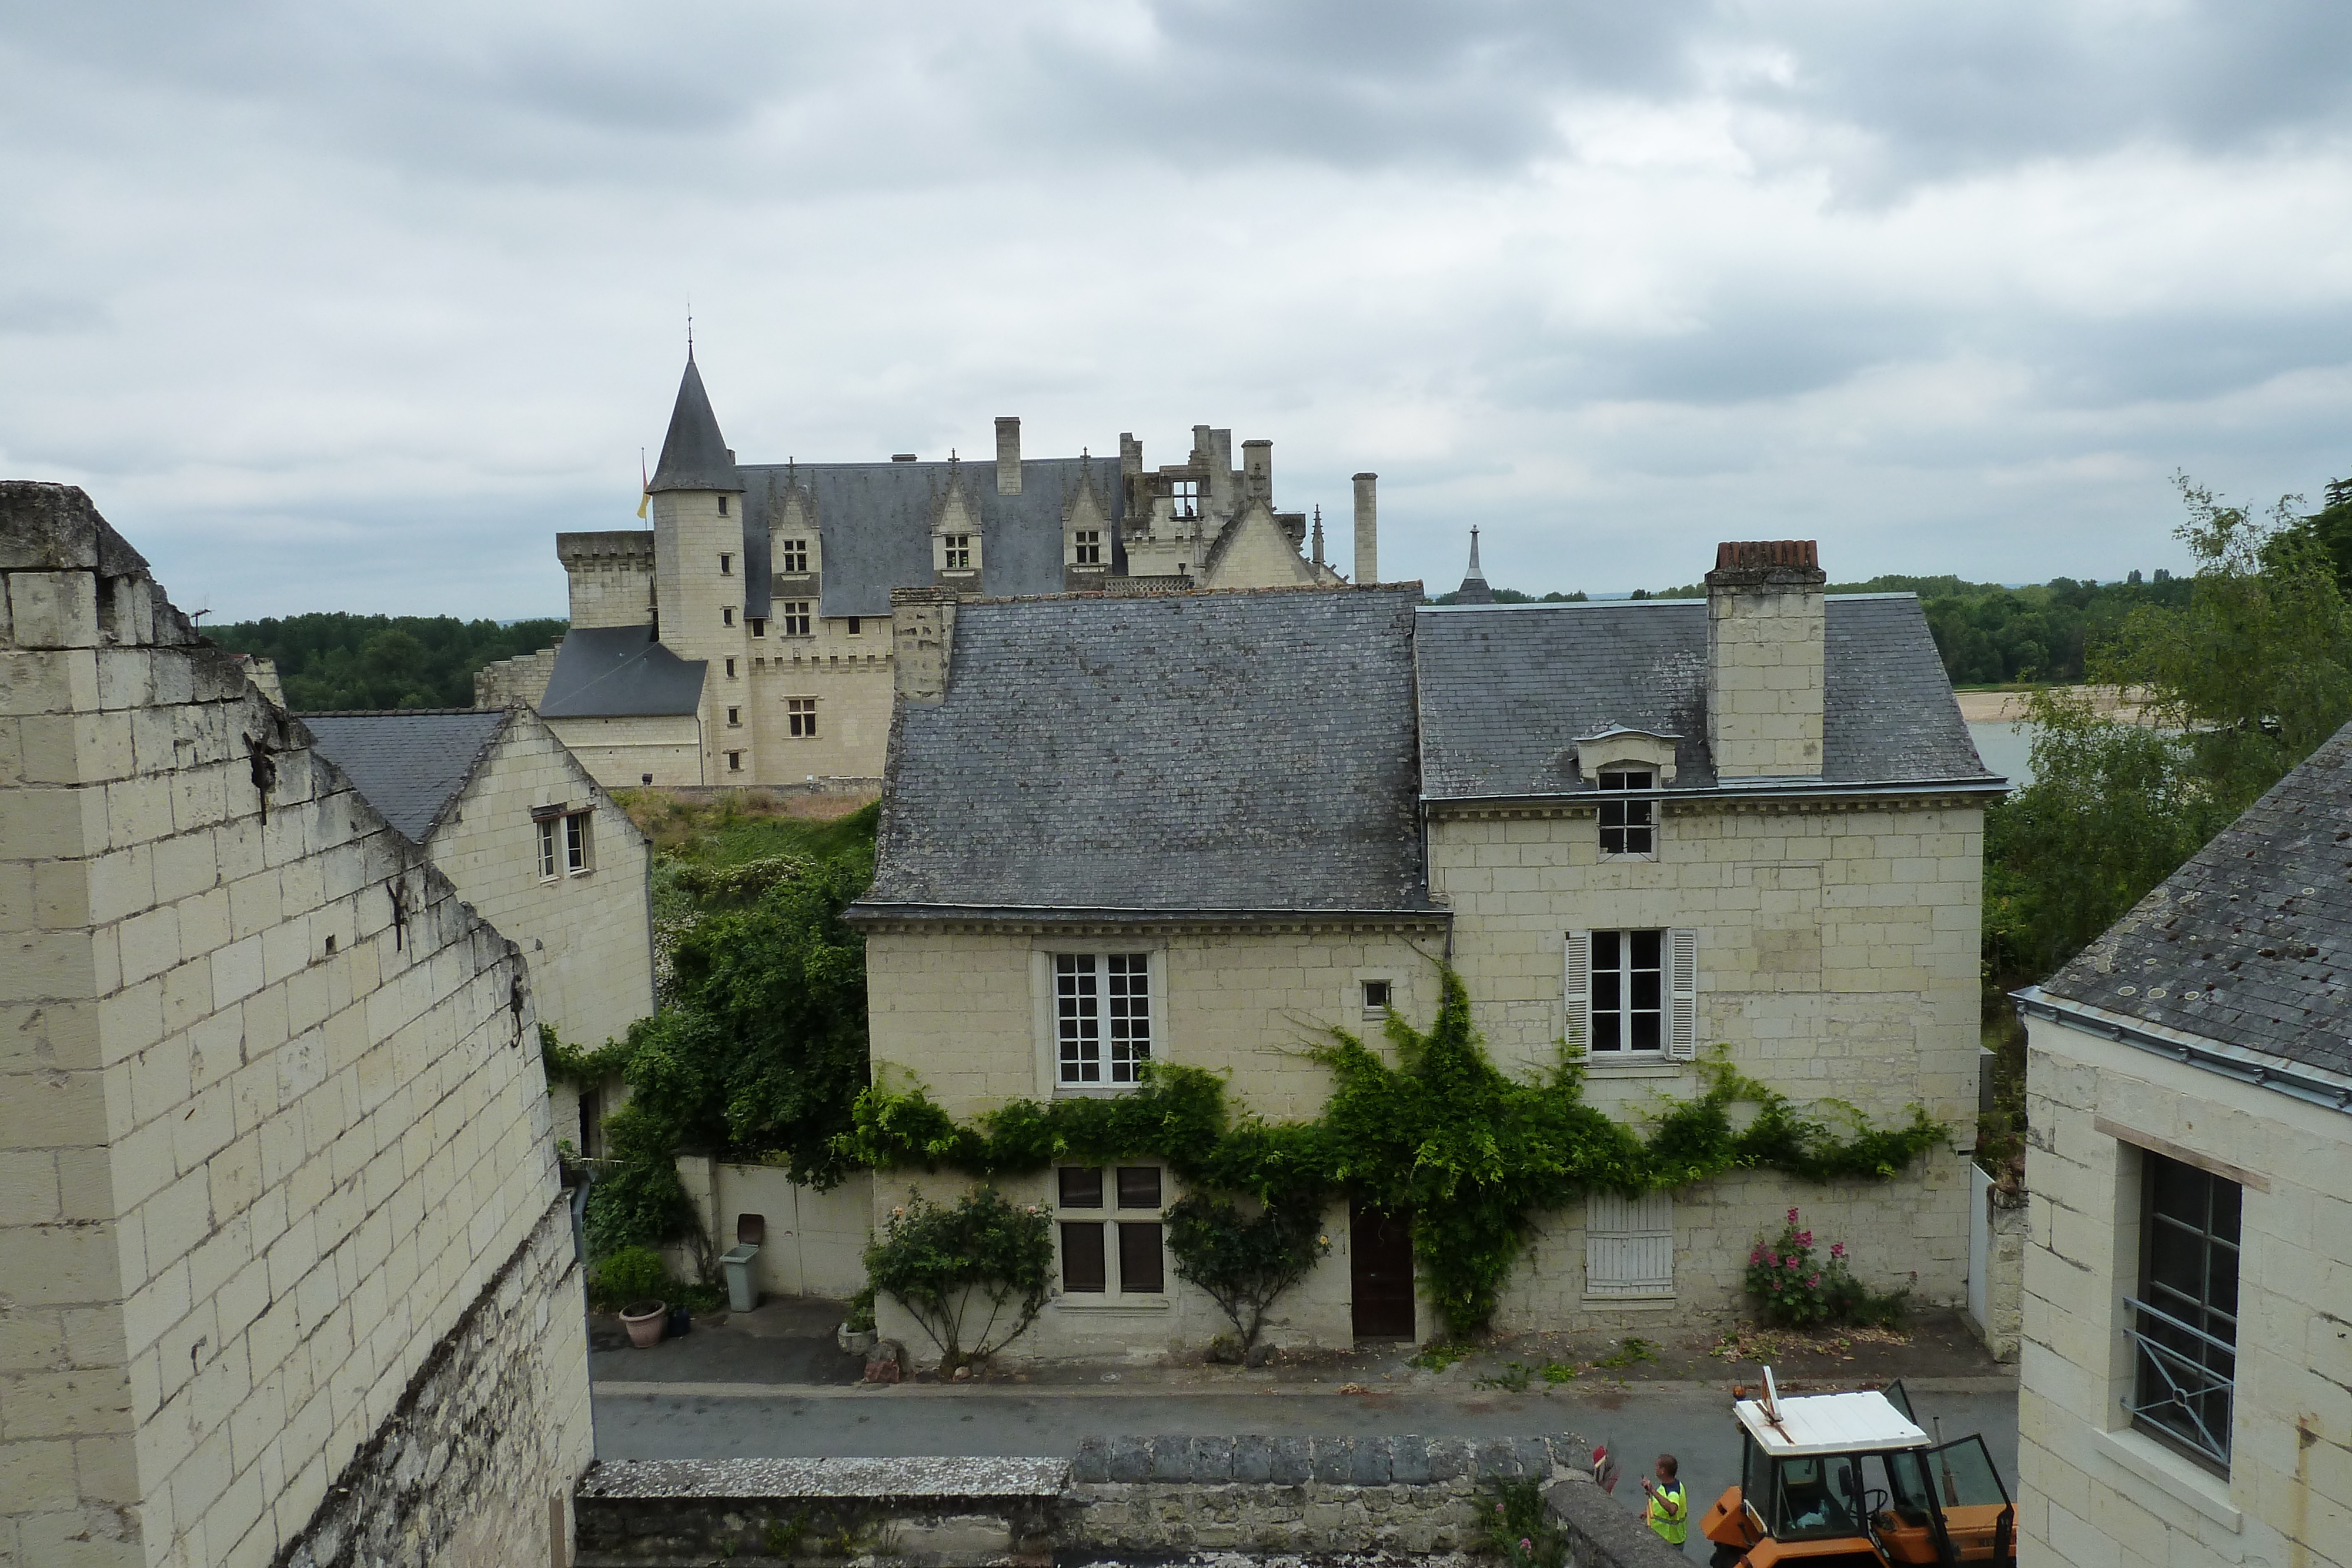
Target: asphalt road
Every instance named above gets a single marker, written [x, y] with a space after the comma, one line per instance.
[690, 1421]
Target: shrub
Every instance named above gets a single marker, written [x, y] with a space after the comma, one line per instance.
[1795, 1287]
[1243, 1263]
[1515, 1526]
[631, 1276]
[860, 1319]
[943, 1264]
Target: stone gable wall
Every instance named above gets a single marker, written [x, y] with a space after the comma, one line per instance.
[270, 1120]
[519, 682]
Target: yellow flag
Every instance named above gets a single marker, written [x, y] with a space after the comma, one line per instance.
[643, 502]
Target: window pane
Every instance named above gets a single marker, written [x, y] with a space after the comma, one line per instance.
[1078, 1018]
[1605, 1032]
[1082, 1256]
[1128, 986]
[1645, 946]
[1138, 1187]
[1644, 1032]
[1082, 1187]
[1646, 989]
[1605, 950]
[1139, 1259]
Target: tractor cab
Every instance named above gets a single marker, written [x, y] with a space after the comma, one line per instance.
[1851, 1481]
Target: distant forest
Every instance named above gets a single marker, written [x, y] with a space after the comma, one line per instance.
[1987, 634]
[339, 661]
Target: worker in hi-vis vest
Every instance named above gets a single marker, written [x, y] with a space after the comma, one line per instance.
[1669, 1510]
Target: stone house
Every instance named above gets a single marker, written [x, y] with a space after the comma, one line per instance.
[1637, 830]
[287, 1264]
[505, 811]
[746, 637]
[2186, 1394]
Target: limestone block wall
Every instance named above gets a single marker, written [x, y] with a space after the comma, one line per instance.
[269, 1123]
[618, 752]
[816, 1242]
[1765, 680]
[850, 679]
[588, 938]
[519, 682]
[2094, 1494]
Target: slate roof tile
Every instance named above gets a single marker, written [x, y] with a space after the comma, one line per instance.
[411, 765]
[2249, 944]
[619, 671]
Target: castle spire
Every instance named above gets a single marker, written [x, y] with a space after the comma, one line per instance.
[1318, 534]
[694, 456]
[1474, 589]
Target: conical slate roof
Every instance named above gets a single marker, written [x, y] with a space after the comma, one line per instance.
[694, 456]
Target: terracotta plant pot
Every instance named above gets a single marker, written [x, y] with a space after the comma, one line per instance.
[643, 1322]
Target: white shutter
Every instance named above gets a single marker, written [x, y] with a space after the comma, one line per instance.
[1576, 991]
[1629, 1244]
[1682, 994]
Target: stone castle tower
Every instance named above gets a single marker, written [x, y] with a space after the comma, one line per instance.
[747, 637]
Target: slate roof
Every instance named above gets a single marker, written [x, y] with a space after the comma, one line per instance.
[1245, 751]
[874, 520]
[619, 671]
[1506, 689]
[2249, 944]
[694, 456]
[410, 764]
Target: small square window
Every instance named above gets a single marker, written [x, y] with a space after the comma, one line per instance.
[796, 617]
[734, 717]
[1138, 1187]
[726, 564]
[1082, 1187]
[759, 625]
[1376, 998]
[794, 557]
[957, 551]
[800, 716]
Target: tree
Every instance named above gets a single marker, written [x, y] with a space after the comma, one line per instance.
[1243, 1263]
[945, 1264]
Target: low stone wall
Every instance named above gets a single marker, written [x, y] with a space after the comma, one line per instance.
[1124, 1497]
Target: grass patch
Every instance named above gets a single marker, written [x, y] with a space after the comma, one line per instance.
[1439, 1354]
[749, 824]
[1511, 1378]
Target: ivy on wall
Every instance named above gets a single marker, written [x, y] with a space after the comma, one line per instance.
[1444, 1135]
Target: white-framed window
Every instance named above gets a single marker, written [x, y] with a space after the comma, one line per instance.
[1184, 498]
[1087, 547]
[956, 548]
[1379, 996]
[1629, 1244]
[792, 556]
[1632, 994]
[1628, 827]
[1111, 1225]
[566, 843]
[796, 617]
[800, 718]
[1102, 1017]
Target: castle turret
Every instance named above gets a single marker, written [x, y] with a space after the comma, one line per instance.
[1474, 589]
[700, 568]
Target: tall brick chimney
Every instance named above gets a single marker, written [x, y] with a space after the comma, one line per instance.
[1368, 529]
[922, 643]
[1008, 455]
[1765, 643]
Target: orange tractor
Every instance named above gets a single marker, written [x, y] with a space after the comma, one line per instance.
[1850, 1480]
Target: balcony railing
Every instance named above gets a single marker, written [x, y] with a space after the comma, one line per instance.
[2186, 1390]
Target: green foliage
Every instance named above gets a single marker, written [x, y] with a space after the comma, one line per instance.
[1516, 1527]
[1796, 1288]
[1244, 1260]
[860, 1319]
[1632, 1351]
[944, 1264]
[631, 1276]
[572, 1064]
[2240, 680]
[1511, 1378]
[1471, 1153]
[1440, 1353]
[1559, 1372]
[339, 661]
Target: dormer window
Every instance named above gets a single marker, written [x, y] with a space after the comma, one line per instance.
[794, 557]
[1628, 827]
[1087, 545]
[1184, 498]
[959, 551]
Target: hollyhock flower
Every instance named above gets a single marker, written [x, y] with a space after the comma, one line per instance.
[1837, 1249]
[1792, 1265]
[1814, 1284]
[1793, 1216]
[1804, 1238]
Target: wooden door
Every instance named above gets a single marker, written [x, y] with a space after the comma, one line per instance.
[1379, 1262]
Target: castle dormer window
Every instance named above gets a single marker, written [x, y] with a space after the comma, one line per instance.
[796, 612]
[1087, 544]
[1628, 827]
[792, 555]
[958, 548]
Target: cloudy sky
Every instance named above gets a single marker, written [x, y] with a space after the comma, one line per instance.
[354, 305]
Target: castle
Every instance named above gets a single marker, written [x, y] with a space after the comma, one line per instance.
[746, 638]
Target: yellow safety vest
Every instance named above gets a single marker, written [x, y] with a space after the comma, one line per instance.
[1669, 1513]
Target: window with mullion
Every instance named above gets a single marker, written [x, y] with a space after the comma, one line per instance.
[1102, 998]
[1628, 827]
[1628, 990]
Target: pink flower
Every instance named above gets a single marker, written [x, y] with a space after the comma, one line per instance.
[1814, 1284]
[1526, 1545]
[1804, 1238]
[1793, 1216]
[1837, 1249]
[1499, 1508]
[1792, 1265]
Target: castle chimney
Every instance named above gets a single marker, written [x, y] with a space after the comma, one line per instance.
[1766, 639]
[922, 643]
[1221, 473]
[1368, 529]
[1257, 471]
[1008, 455]
[1131, 455]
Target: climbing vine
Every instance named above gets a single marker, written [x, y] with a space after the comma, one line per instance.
[1444, 1135]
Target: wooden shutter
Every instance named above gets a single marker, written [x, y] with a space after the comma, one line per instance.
[1576, 991]
[1629, 1245]
[1682, 994]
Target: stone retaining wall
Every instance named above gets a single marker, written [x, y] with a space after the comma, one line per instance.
[1123, 1498]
